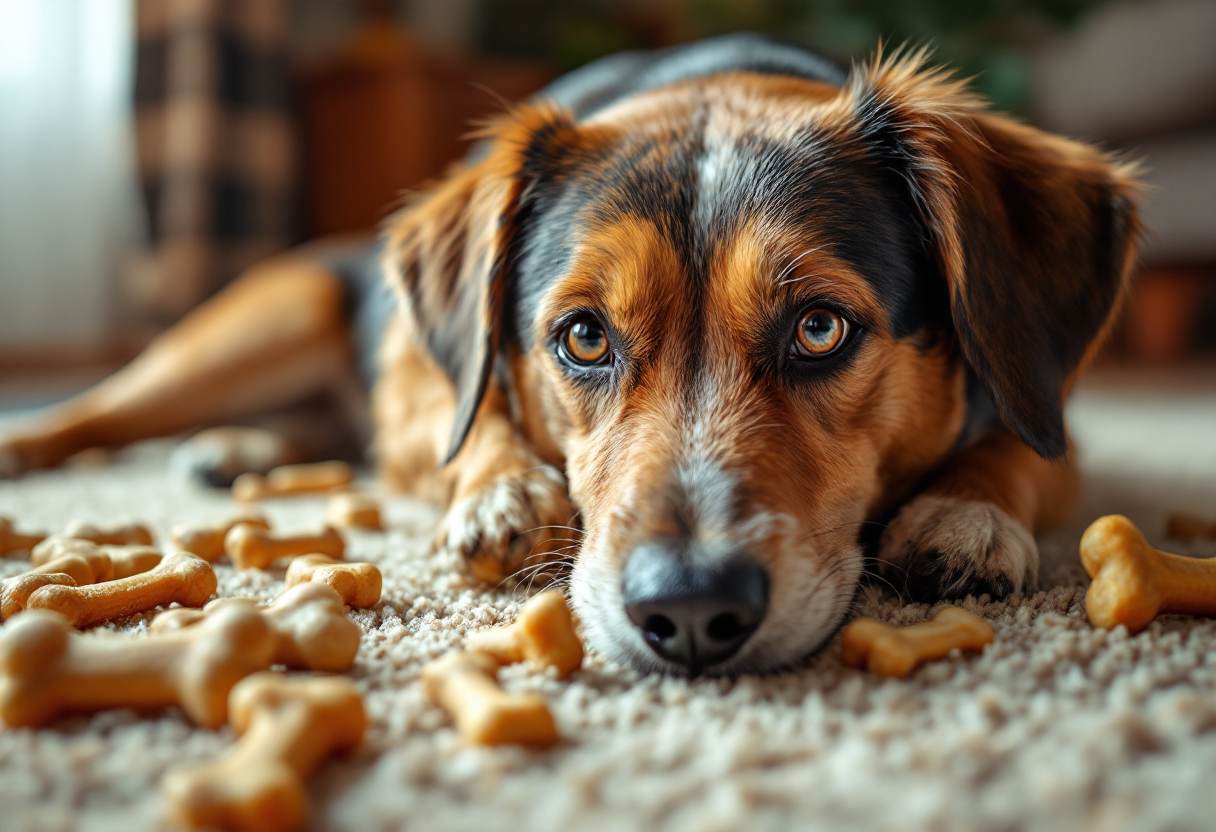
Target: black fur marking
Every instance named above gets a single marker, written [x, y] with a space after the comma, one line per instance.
[931, 577]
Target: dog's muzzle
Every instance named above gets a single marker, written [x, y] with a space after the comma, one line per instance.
[693, 614]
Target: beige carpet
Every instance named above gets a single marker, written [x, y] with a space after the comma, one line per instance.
[1056, 726]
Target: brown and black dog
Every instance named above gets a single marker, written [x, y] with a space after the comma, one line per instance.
[728, 308]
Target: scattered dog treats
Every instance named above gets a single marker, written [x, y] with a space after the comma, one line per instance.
[897, 651]
[358, 583]
[68, 570]
[1133, 583]
[293, 479]
[1182, 525]
[123, 533]
[354, 511]
[207, 541]
[309, 622]
[181, 577]
[46, 669]
[466, 686]
[11, 541]
[542, 634]
[287, 728]
[253, 548]
[124, 561]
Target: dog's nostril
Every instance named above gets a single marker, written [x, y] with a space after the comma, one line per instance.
[725, 627]
[659, 626]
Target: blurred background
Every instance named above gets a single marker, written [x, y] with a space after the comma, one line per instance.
[152, 149]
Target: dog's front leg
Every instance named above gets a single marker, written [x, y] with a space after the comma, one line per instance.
[972, 530]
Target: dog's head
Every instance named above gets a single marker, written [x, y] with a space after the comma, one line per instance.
[740, 308]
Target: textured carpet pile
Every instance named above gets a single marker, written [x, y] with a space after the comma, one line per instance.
[1055, 726]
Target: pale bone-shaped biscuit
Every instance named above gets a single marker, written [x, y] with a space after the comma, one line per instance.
[253, 548]
[181, 578]
[542, 634]
[293, 479]
[1182, 525]
[359, 584]
[207, 540]
[11, 541]
[466, 686]
[354, 510]
[125, 561]
[287, 728]
[120, 533]
[1133, 583]
[897, 651]
[46, 669]
[310, 625]
[68, 570]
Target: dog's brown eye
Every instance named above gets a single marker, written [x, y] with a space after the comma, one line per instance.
[585, 342]
[820, 332]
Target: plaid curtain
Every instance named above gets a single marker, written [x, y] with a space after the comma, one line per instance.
[215, 143]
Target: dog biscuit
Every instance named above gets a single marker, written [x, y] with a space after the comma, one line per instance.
[69, 570]
[543, 634]
[207, 541]
[359, 584]
[354, 511]
[466, 686]
[12, 541]
[287, 728]
[121, 533]
[1133, 583]
[181, 577]
[1182, 525]
[254, 548]
[309, 623]
[897, 651]
[46, 669]
[293, 479]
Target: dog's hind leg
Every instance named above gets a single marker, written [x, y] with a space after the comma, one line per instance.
[276, 336]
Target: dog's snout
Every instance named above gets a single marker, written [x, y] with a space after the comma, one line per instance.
[691, 614]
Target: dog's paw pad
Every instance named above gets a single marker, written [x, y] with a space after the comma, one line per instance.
[516, 521]
[945, 547]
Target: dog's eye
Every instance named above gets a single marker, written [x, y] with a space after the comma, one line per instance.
[585, 342]
[820, 333]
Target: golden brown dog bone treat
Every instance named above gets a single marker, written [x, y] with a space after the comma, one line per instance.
[181, 578]
[1182, 525]
[1133, 583]
[542, 634]
[354, 510]
[897, 651]
[69, 570]
[11, 541]
[207, 541]
[124, 533]
[287, 728]
[309, 622]
[466, 686]
[46, 669]
[253, 548]
[124, 561]
[359, 584]
[293, 479]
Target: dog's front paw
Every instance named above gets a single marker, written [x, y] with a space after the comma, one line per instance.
[947, 547]
[514, 522]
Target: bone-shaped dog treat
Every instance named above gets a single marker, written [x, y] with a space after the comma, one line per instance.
[68, 570]
[1183, 525]
[359, 584]
[309, 622]
[112, 534]
[293, 479]
[542, 634]
[207, 541]
[11, 541]
[897, 651]
[466, 686]
[253, 548]
[124, 561]
[181, 577]
[354, 510]
[1133, 583]
[287, 728]
[46, 669]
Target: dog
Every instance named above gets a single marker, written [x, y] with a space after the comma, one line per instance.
[717, 327]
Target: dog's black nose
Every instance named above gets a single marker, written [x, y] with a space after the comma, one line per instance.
[694, 615]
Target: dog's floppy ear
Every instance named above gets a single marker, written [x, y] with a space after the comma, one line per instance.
[450, 252]
[1034, 234]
